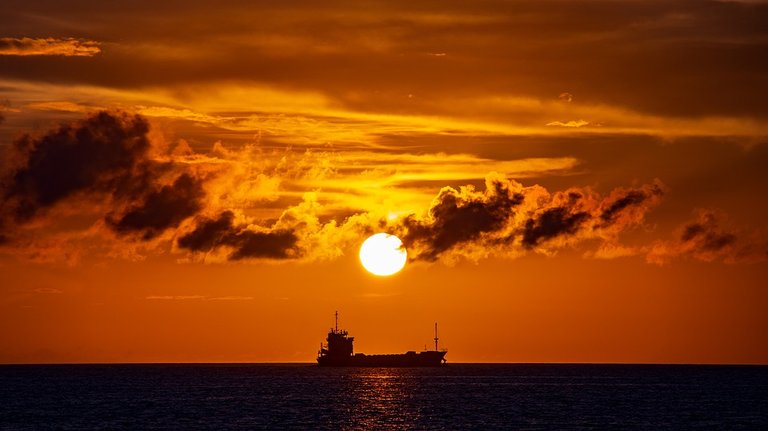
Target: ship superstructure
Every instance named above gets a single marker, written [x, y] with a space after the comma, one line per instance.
[338, 351]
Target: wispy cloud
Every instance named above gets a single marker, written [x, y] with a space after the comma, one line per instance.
[67, 47]
[62, 106]
[572, 123]
[242, 110]
[231, 298]
[48, 290]
[197, 298]
[174, 297]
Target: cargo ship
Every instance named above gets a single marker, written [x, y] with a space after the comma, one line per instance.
[338, 352]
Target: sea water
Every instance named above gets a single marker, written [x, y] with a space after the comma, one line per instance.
[456, 396]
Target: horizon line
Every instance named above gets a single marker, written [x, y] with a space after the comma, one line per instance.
[314, 363]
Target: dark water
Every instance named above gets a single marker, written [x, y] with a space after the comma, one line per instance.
[458, 396]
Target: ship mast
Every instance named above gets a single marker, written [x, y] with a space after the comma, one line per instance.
[436, 337]
[337, 321]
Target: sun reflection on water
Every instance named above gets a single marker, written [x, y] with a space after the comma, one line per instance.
[384, 396]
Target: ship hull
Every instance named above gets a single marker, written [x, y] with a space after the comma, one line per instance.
[410, 359]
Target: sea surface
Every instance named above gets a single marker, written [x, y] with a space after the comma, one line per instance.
[456, 396]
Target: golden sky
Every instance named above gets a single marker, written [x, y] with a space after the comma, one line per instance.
[574, 181]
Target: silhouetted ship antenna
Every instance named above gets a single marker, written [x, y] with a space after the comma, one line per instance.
[338, 352]
[436, 337]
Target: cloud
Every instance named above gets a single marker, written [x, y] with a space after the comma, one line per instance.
[110, 172]
[309, 119]
[102, 153]
[230, 298]
[48, 290]
[253, 204]
[460, 216]
[327, 51]
[708, 238]
[611, 250]
[62, 106]
[68, 47]
[572, 123]
[507, 218]
[705, 235]
[106, 157]
[5, 106]
[628, 206]
[161, 208]
[633, 197]
[578, 214]
[551, 223]
[241, 241]
[174, 297]
[197, 297]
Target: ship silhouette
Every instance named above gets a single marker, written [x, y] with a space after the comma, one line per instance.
[338, 352]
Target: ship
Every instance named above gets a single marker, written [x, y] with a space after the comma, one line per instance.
[338, 352]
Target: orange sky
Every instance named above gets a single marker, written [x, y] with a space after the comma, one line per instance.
[575, 181]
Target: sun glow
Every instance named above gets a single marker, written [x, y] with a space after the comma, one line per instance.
[383, 254]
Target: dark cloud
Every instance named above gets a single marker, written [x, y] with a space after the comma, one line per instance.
[102, 153]
[552, 223]
[582, 215]
[213, 233]
[528, 47]
[208, 233]
[274, 245]
[508, 216]
[706, 234]
[709, 238]
[633, 197]
[161, 209]
[692, 231]
[106, 155]
[460, 216]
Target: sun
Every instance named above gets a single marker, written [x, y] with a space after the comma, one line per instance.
[383, 254]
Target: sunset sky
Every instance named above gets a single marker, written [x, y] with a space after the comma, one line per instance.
[574, 181]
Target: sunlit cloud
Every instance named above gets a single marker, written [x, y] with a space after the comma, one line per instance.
[572, 123]
[312, 119]
[133, 195]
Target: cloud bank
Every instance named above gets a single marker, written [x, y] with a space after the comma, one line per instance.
[110, 167]
[108, 161]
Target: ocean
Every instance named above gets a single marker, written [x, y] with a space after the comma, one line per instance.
[456, 396]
